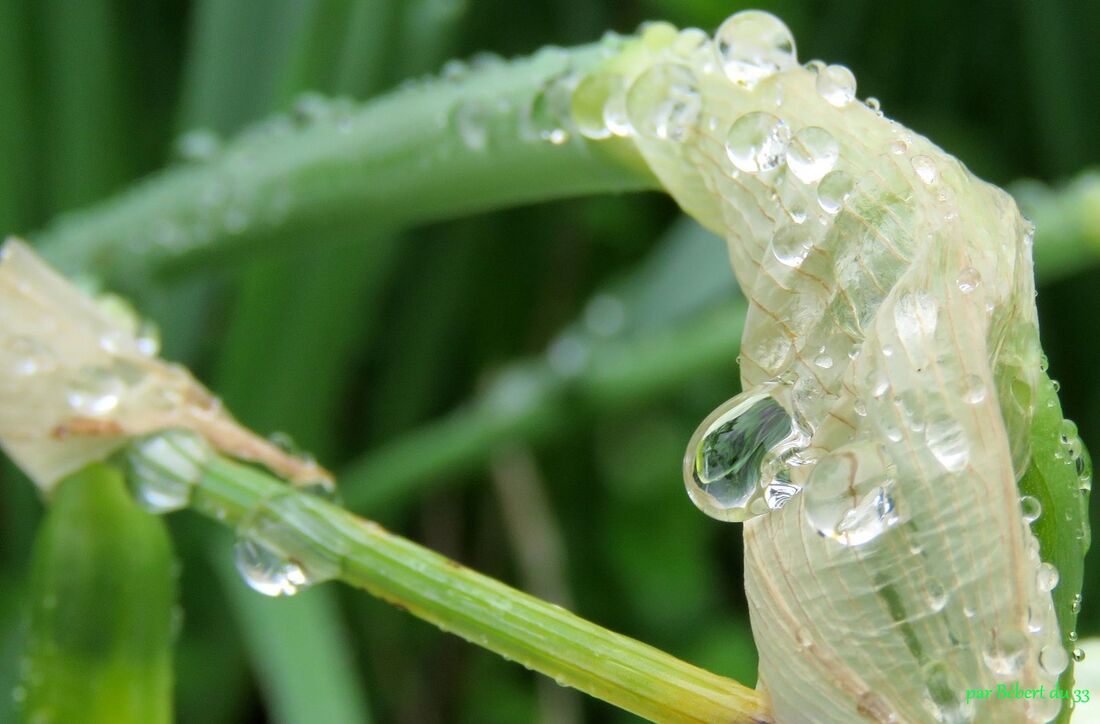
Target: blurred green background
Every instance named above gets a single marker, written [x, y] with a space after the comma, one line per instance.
[608, 324]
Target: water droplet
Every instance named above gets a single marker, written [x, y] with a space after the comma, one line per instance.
[804, 638]
[916, 315]
[1031, 508]
[833, 191]
[943, 694]
[549, 116]
[31, 357]
[937, 596]
[925, 168]
[95, 392]
[813, 152]
[590, 102]
[778, 493]
[471, 121]
[974, 391]
[1075, 605]
[1054, 659]
[848, 496]
[968, 280]
[791, 245]
[837, 85]
[757, 142]
[947, 442]
[198, 145]
[1047, 577]
[722, 466]
[753, 45]
[823, 360]
[874, 104]
[164, 468]
[1078, 654]
[1006, 654]
[664, 102]
[266, 571]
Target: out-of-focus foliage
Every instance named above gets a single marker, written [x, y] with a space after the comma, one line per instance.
[361, 338]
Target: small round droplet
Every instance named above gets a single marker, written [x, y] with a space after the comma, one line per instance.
[968, 280]
[937, 596]
[1031, 508]
[833, 191]
[1078, 654]
[664, 102]
[974, 391]
[1006, 654]
[1054, 659]
[757, 142]
[874, 104]
[1075, 604]
[30, 357]
[848, 496]
[804, 638]
[791, 245]
[95, 392]
[753, 45]
[722, 466]
[925, 168]
[837, 85]
[1047, 577]
[471, 120]
[812, 153]
[266, 571]
[823, 361]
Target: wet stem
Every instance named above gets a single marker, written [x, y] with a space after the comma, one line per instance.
[325, 541]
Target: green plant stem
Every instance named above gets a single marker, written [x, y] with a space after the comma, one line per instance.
[397, 161]
[541, 636]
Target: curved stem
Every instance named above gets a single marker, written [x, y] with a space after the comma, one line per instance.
[436, 149]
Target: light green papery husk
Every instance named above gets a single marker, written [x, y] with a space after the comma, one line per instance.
[849, 633]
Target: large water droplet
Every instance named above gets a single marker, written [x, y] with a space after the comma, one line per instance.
[95, 392]
[757, 142]
[812, 153]
[723, 464]
[1005, 655]
[664, 102]
[974, 391]
[753, 45]
[848, 496]
[164, 468]
[837, 85]
[833, 191]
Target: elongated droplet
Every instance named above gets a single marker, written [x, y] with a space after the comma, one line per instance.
[757, 142]
[1005, 655]
[266, 571]
[722, 467]
[849, 495]
[753, 45]
[95, 392]
[812, 153]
